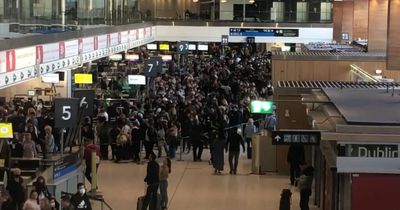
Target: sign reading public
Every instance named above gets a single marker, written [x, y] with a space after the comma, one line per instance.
[268, 32]
[66, 112]
[153, 66]
[296, 137]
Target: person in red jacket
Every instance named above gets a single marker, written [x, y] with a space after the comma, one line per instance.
[89, 148]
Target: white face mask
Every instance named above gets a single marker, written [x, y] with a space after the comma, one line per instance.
[52, 204]
[82, 191]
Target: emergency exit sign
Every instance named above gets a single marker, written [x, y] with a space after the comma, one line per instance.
[261, 107]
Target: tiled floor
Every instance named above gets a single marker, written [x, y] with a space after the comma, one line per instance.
[192, 186]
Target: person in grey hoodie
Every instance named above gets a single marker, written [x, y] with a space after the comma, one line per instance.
[249, 131]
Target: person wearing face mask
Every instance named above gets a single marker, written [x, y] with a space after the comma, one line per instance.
[6, 201]
[54, 205]
[16, 189]
[80, 200]
[66, 203]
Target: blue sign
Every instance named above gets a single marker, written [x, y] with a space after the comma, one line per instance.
[66, 165]
[264, 32]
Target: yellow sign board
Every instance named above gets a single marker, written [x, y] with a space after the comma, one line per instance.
[83, 78]
[164, 47]
[6, 130]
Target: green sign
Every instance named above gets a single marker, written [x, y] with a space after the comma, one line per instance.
[261, 107]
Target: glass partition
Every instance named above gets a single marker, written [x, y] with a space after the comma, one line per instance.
[47, 16]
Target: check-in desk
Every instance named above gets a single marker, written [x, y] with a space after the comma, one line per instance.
[62, 174]
[264, 153]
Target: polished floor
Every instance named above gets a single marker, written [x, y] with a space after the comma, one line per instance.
[192, 186]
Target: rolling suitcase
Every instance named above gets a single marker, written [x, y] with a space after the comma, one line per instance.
[140, 202]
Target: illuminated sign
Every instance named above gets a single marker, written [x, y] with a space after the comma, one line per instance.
[83, 78]
[261, 107]
[6, 130]
[164, 47]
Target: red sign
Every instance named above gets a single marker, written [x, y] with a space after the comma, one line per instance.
[108, 40]
[80, 45]
[96, 42]
[61, 50]
[10, 60]
[39, 54]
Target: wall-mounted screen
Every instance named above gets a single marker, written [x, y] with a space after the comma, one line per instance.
[202, 47]
[136, 80]
[51, 78]
[132, 57]
[166, 57]
[164, 47]
[152, 46]
[192, 47]
[116, 57]
[83, 78]
[31, 92]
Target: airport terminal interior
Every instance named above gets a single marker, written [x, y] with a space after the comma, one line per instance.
[199, 104]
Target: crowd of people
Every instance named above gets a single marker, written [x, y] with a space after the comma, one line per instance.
[201, 104]
[39, 197]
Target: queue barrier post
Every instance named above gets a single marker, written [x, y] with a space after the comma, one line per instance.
[95, 160]
[181, 149]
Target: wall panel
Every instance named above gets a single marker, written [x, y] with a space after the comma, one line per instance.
[377, 30]
[360, 23]
[393, 51]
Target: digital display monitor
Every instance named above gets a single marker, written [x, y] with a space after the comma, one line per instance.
[83, 78]
[132, 57]
[164, 47]
[267, 32]
[166, 57]
[6, 130]
[152, 46]
[136, 80]
[116, 57]
[202, 47]
[192, 47]
[261, 107]
[31, 92]
[51, 78]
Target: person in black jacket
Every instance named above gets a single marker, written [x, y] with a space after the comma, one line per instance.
[152, 179]
[15, 188]
[295, 158]
[195, 137]
[150, 138]
[80, 200]
[233, 145]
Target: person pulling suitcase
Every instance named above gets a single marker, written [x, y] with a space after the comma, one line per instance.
[152, 179]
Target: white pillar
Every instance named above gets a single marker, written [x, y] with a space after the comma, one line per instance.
[63, 14]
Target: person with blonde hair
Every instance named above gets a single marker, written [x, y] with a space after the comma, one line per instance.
[249, 131]
[29, 147]
[49, 140]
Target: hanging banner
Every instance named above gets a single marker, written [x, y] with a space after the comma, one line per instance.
[71, 48]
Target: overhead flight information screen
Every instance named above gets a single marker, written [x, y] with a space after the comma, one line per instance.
[264, 32]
